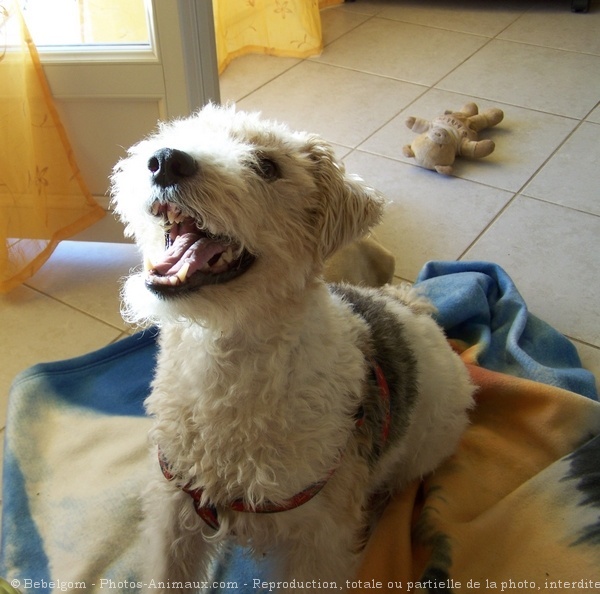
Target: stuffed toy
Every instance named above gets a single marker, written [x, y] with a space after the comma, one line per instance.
[449, 135]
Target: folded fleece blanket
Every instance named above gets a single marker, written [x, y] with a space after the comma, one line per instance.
[516, 508]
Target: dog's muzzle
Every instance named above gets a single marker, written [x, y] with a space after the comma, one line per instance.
[193, 258]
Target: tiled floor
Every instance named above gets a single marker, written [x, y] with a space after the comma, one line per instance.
[533, 206]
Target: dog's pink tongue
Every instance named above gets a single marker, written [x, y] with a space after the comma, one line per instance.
[188, 248]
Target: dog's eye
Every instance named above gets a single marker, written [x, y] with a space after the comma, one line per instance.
[266, 167]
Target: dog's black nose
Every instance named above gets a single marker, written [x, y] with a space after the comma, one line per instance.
[169, 166]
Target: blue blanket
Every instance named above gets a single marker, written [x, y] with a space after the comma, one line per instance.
[479, 304]
[75, 452]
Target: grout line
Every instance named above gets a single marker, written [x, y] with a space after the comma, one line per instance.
[549, 47]
[426, 90]
[437, 27]
[126, 334]
[490, 224]
[74, 308]
[571, 208]
[583, 342]
[552, 155]
[401, 279]
[266, 82]
[508, 205]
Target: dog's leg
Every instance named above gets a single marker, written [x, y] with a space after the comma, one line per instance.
[177, 557]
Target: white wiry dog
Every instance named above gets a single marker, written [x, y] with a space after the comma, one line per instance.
[282, 405]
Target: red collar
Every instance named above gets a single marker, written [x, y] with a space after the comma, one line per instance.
[384, 394]
[208, 512]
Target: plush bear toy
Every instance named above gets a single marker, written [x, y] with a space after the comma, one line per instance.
[449, 135]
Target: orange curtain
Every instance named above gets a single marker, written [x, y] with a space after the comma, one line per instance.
[276, 27]
[43, 198]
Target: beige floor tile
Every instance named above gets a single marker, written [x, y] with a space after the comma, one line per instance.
[539, 78]
[248, 73]
[42, 329]
[403, 51]
[524, 140]
[336, 22]
[551, 253]
[429, 217]
[552, 24]
[334, 102]
[572, 176]
[88, 276]
[480, 17]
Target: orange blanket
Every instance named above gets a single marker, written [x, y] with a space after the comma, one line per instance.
[517, 508]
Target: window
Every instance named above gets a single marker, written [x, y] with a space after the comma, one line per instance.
[93, 27]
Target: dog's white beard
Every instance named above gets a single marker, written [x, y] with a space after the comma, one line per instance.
[141, 307]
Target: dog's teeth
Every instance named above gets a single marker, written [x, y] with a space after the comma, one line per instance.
[148, 263]
[227, 256]
[174, 214]
[182, 273]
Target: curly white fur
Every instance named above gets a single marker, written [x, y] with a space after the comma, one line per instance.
[260, 377]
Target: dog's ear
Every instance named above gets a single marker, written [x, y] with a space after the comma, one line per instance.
[347, 207]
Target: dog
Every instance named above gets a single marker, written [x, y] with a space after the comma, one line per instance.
[282, 405]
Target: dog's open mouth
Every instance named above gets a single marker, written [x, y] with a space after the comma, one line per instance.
[193, 258]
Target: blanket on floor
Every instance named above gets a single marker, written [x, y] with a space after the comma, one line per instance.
[516, 508]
